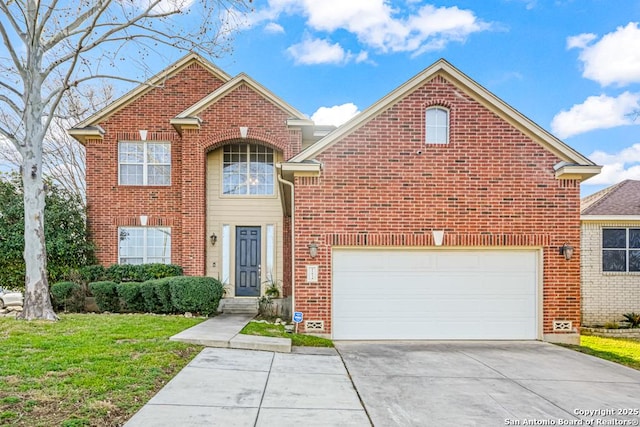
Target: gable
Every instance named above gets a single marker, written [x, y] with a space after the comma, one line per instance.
[241, 80]
[193, 70]
[572, 165]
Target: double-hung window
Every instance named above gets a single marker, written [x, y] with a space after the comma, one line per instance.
[621, 249]
[144, 163]
[144, 245]
[248, 170]
[437, 125]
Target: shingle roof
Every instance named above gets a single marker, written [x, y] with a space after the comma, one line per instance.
[620, 199]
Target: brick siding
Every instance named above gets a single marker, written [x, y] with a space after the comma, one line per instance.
[490, 186]
[605, 296]
[180, 206]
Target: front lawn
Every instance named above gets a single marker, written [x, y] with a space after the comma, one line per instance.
[86, 369]
[271, 330]
[620, 350]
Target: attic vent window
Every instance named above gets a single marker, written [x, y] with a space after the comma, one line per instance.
[437, 125]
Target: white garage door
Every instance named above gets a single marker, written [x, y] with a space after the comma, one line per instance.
[438, 294]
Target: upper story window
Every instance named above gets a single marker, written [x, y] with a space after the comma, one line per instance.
[437, 125]
[144, 163]
[621, 249]
[144, 245]
[248, 170]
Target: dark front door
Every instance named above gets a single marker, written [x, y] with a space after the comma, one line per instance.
[247, 261]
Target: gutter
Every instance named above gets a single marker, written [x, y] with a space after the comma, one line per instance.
[293, 239]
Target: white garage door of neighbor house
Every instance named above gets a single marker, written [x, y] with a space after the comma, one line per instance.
[440, 294]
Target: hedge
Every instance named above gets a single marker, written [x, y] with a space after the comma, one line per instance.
[149, 298]
[196, 294]
[141, 272]
[131, 297]
[106, 295]
[67, 296]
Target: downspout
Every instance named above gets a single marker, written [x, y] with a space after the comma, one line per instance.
[293, 239]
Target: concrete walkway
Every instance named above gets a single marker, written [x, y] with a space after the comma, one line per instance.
[231, 387]
[223, 331]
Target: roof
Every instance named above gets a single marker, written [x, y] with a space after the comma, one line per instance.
[573, 163]
[622, 199]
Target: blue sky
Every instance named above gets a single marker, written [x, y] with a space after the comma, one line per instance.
[572, 66]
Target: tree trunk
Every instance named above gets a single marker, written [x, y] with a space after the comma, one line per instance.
[37, 299]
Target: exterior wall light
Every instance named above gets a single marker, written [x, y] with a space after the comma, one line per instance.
[567, 251]
[313, 250]
[213, 239]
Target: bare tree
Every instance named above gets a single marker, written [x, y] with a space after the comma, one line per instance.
[50, 47]
[63, 157]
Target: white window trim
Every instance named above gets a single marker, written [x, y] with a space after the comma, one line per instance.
[626, 250]
[226, 254]
[448, 125]
[270, 252]
[145, 164]
[144, 249]
[273, 193]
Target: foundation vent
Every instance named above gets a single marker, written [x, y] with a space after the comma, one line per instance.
[314, 325]
[562, 325]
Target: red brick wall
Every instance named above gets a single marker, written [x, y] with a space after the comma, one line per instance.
[110, 205]
[182, 206]
[490, 186]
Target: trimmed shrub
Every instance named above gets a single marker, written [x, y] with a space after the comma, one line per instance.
[67, 296]
[149, 298]
[131, 296]
[123, 273]
[106, 295]
[163, 293]
[91, 273]
[142, 272]
[159, 271]
[196, 294]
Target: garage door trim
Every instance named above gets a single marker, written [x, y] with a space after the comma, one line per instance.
[535, 268]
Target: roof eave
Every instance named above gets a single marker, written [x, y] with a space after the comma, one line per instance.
[581, 172]
[617, 218]
[183, 123]
[86, 133]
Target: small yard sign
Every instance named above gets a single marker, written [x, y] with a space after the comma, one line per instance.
[297, 316]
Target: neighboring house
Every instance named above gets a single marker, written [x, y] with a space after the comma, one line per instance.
[611, 253]
[437, 213]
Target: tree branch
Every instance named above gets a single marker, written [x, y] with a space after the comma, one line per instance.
[10, 103]
[11, 50]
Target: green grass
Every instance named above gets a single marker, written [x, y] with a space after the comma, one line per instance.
[620, 350]
[86, 369]
[271, 330]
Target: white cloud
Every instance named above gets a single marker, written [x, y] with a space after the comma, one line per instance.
[318, 51]
[614, 59]
[596, 112]
[378, 26]
[336, 115]
[617, 167]
[580, 41]
[274, 28]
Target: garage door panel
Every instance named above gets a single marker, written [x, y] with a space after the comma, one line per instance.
[434, 294]
[461, 306]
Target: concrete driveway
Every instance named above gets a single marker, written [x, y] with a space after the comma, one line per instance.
[489, 384]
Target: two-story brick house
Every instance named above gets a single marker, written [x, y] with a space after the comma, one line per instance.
[437, 213]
